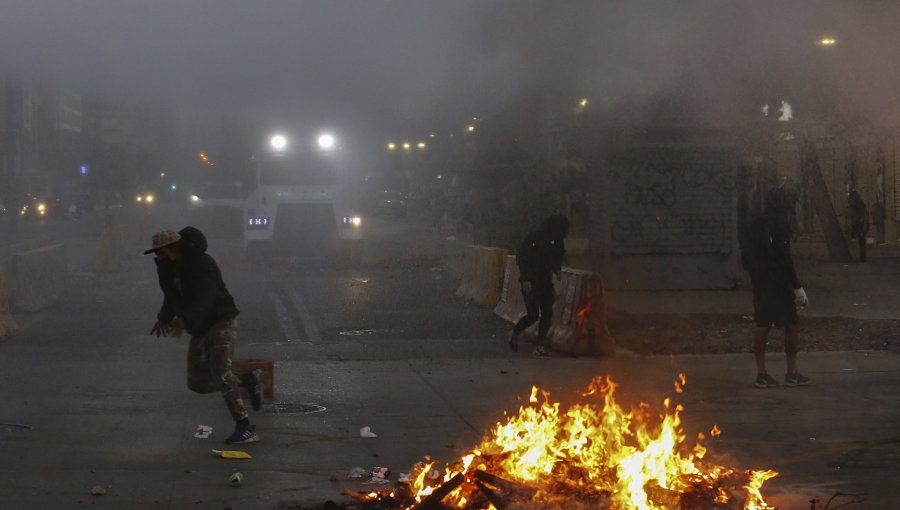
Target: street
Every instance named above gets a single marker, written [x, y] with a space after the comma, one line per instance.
[93, 400]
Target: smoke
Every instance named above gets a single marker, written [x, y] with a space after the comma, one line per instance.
[697, 61]
[424, 61]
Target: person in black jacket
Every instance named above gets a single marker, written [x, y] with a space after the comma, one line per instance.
[776, 294]
[196, 300]
[539, 258]
[859, 221]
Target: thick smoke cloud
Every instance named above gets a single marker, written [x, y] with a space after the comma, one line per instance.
[414, 61]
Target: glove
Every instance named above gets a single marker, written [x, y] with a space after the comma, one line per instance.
[800, 297]
[176, 326]
[160, 329]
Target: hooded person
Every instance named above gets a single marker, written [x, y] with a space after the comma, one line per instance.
[196, 300]
[539, 258]
[777, 292]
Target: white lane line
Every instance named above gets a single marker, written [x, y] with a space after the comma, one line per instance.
[284, 318]
[309, 326]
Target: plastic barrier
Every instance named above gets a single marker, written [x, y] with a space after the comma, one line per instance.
[579, 316]
[108, 255]
[511, 306]
[8, 325]
[241, 365]
[37, 278]
[482, 278]
[120, 234]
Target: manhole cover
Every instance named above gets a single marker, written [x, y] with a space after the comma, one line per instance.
[14, 427]
[288, 408]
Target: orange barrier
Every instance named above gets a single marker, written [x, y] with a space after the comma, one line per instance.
[37, 277]
[579, 316]
[482, 277]
[242, 365]
[511, 306]
[8, 324]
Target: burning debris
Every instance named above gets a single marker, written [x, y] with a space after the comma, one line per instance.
[592, 455]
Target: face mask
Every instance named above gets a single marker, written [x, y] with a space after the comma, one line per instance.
[164, 263]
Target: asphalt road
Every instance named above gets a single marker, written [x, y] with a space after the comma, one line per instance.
[386, 345]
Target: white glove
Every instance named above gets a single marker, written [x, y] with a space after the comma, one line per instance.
[800, 297]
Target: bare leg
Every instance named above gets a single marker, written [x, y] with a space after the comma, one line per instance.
[759, 348]
[791, 340]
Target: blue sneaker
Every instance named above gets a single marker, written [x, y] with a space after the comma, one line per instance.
[243, 434]
[252, 381]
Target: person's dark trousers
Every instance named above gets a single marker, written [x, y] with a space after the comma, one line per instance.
[862, 247]
[538, 304]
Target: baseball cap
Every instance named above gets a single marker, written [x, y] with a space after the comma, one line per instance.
[162, 239]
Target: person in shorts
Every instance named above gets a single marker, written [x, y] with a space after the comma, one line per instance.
[776, 294]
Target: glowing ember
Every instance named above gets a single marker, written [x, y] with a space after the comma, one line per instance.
[592, 455]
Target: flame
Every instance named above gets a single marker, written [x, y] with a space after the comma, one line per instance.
[636, 459]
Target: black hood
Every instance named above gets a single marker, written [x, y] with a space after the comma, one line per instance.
[193, 242]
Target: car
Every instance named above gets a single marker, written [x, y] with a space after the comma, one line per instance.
[218, 208]
[145, 199]
[43, 208]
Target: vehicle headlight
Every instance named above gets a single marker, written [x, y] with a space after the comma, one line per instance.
[149, 198]
[195, 199]
[352, 221]
[41, 208]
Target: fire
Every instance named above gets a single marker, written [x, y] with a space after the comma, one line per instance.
[590, 455]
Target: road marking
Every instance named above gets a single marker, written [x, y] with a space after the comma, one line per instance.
[309, 326]
[284, 318]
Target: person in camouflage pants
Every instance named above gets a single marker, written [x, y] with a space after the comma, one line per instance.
[196, 300]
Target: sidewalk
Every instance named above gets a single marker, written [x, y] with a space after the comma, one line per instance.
[869, 290]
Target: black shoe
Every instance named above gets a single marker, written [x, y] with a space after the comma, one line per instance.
[765, 381]
[254, 387]
[514, 341]
[795, 379]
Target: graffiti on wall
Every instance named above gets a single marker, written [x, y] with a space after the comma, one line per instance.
[672, 200]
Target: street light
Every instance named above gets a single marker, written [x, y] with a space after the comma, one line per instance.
[278, 142]
[325, 141]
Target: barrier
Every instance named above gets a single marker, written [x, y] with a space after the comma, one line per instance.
[37, 278]
[482, 277]
[510, 306]
[579, 316]
[108, 255]
[8, 324]
[120, 234]
[240, 366]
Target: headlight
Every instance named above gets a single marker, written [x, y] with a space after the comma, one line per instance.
[195, 199]
[138, 198]
[149, 198]
[352, 221]
[41, 208]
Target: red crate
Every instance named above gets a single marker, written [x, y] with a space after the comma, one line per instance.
[241, 365]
